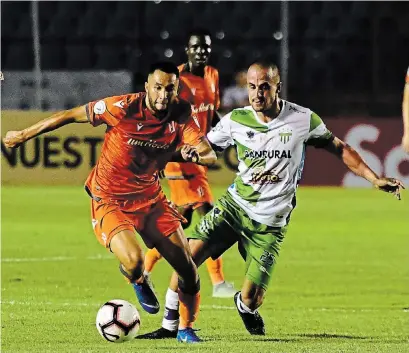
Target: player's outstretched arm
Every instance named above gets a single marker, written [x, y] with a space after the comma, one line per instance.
[405, 114]
[55, 121]
[356, 164]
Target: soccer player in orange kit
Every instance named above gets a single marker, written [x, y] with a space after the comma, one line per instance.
[189, 187]
[143, 131]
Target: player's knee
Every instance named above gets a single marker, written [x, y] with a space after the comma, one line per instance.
[189, 287]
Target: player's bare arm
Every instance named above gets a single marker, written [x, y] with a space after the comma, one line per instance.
[405, 114]
[356, 164]
[55, 121]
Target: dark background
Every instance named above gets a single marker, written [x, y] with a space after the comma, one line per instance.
[346, 58]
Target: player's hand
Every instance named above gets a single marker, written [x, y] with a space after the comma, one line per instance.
[405, 142]
[390, 185]
[189, 154]
[13, 138]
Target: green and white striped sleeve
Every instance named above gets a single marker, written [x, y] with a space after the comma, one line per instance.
[319, 135]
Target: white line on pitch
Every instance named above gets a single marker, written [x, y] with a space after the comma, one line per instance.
[55, 258]
[219, 307]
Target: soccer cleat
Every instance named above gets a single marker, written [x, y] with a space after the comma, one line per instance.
[158, 334]
[188, 335]
[146, 296]
[254, 322]
[224, 290]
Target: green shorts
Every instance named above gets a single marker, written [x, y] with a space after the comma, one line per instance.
[259, 244]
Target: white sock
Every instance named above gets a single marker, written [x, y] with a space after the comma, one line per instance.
[171, 315]
[243, 308]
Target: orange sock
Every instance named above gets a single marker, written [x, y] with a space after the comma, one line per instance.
[151, 258]
[215, 269]
[188, 309]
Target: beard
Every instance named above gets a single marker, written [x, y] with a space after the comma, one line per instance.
[160, 113]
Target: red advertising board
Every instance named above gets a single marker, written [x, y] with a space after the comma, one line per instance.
[377, 140]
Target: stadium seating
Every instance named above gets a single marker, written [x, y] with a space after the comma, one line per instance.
[334, 46]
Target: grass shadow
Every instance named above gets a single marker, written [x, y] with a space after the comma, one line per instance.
[332, 336]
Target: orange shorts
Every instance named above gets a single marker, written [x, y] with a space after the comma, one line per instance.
[109, 217]
[192, 191]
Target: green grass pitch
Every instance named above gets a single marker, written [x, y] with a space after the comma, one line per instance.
[341, 283]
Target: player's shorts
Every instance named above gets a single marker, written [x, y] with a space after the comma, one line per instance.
[193, 191]
[259, 244]
[157, 219]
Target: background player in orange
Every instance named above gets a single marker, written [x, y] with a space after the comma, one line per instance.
[143, 130]
[405, 114]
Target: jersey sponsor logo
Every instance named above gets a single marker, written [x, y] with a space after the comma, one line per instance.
[285, 136]
[150, 143]
[100, 107]
[119, 104]
[267, 154]
[262, 177]
[202, 108]
[139, 126]
[193, 91]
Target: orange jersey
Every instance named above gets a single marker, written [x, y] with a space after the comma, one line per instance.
[203, 94]
[136, 145]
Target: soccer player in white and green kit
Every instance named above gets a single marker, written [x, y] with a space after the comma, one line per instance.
[270, 136]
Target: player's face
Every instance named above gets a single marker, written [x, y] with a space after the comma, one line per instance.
[161, 89]
[198, 50]
[262, 88]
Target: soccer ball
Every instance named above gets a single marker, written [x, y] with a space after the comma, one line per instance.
[118, 321]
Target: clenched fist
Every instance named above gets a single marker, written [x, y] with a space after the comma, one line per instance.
[189, 154]
[13, 138]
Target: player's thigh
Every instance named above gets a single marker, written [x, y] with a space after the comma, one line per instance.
[108, 220]
[260, 251]
[163, 230]
[213, 235]
[180, 193]
[202, 194]
[191, 192]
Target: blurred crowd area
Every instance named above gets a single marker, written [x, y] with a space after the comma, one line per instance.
[345, 58]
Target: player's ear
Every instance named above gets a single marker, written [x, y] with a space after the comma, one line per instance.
[279, 85]
[146, 87]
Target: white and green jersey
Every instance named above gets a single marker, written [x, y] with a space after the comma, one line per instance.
[271, 157]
